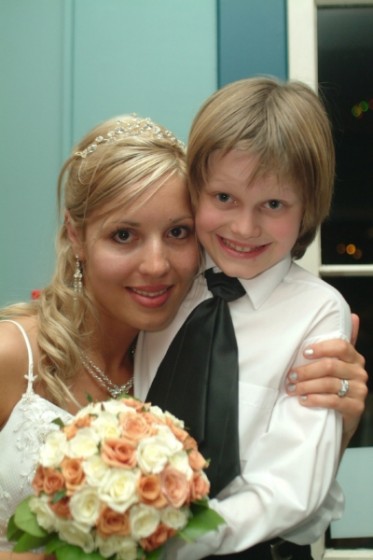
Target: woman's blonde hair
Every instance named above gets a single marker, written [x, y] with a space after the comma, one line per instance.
[286, 126]
[118, 162]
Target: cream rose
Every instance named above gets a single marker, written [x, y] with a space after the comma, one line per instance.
[85, 506]
[45, 516]
[53, 450]
[175, 518]
[107, 425]
[84, 444]
[75, 533]
[124, 547]
[143, 521]
[154, 452]
[118, 490]
[180, 461]
[95, 470]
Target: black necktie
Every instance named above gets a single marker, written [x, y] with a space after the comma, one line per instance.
[197, 380]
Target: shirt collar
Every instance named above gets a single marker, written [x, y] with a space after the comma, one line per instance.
[260, 288]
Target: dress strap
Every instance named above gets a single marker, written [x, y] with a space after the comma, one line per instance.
[30, 373]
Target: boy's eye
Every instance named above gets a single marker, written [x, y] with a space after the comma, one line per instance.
[179, 232]
[274, 204]
[122, 236]
[223, 197]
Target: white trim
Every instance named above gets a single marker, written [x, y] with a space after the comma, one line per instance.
[346, 270]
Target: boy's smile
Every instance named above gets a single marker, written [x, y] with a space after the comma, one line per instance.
[246, 226]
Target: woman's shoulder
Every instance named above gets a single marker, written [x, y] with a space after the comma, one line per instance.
[15, 354]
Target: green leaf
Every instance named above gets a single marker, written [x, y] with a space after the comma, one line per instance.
[28, 542]
[53, 543]
[71, 552]
[204, 520]
[154, 554]
[13, 532]
[25, 519]
[58, 496]
[59, 422]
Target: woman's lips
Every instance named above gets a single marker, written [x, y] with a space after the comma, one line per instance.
[151, 296]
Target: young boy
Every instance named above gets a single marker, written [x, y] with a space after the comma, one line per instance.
[261, 170]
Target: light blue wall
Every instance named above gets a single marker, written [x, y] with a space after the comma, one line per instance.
[252, 39]
[64, 66]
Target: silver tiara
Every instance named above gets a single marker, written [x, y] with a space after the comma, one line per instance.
[135, 126]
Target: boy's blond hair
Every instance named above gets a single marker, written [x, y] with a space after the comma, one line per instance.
[286, 126]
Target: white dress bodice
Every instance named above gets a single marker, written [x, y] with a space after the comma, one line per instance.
[20, 439]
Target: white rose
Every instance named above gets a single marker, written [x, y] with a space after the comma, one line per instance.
[117, 407]
[143, 521]
[107, 425]
[153, 452]
[95, 470]
[75, 533]
[83, 444]
[124, 547]
[54, 449]
[169, 439]
[179, 423]
[175, 518]
[45, 516]
[118, 489]
[180, 462]
[85, 506]
[157, 412]
[93, 408]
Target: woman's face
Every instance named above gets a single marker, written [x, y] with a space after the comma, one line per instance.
[139, 261]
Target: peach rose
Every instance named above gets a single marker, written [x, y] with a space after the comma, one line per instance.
[178, 432]
[196, 460]
[117, 452]
[73, 473]
[71, 429]
[53, 481]
[133, 403]
[61, 508]
[134, 426]
[189, 443]
[111, 522]
[200, 487]
[175, 486]
[38, 480]
[149, 491]
[156, 539]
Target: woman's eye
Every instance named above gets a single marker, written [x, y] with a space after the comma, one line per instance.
[179, 232]
[274, 204]
[122, 236]
[223, 197]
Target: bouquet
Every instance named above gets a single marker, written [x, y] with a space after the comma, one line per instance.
[117, 481]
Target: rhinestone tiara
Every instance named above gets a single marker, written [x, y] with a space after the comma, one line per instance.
[135, 126]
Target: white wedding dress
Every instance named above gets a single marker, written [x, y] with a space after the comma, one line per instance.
[20, 440]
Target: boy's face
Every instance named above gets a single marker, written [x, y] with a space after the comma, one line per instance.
[246, 227]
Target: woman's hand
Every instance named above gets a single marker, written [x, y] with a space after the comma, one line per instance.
[317, 384]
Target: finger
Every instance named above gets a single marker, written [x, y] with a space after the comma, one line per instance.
[350, 408]
[355, 328]
[341, 349]
[327, 386]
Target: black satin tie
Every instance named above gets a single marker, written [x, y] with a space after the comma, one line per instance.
[197, 380]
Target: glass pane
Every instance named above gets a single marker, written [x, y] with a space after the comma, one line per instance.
[345, 74]
[345, 71]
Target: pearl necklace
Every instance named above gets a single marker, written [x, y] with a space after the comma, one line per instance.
[97, 373]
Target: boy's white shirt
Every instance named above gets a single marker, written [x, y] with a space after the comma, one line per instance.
[289, 453]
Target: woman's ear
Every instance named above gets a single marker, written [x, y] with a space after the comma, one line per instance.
[74, 236]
